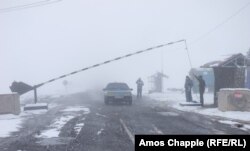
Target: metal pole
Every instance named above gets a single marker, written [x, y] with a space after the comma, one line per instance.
[35, 95]
[189, 59]
[162, 71]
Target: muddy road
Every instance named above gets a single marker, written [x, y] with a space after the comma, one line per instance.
[106, 127]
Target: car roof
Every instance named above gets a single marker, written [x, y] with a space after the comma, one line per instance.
[117, 84]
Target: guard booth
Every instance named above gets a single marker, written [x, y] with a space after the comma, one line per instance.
[230, 72]
[157, 82]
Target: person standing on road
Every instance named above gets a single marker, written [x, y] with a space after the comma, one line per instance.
[140, 84]
[202, 86]
[188, 89]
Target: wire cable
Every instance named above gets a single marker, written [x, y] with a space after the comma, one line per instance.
[222, 23]
[188, 54]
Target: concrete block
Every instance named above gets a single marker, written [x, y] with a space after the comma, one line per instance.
[37, 106]
[10, 104]
[237, 99]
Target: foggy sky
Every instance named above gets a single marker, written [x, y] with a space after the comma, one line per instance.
[41, 43]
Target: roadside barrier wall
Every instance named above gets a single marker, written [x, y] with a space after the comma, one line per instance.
[10, 104]
[234, 99]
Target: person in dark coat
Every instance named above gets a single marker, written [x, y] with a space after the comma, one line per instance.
[188, 89]
[140, 84]
[202, 86]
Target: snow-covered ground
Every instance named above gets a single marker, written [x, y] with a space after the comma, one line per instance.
[174, 98]
[236, 124]
[54, 129]
[9, 123]
[12, 123]
[76, 109]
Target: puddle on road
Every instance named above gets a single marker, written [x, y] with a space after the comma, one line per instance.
[55, 141]
[168, 113]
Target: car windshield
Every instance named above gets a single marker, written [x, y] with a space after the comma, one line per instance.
[117, 86]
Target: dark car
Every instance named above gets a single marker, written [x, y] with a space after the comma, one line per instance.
[117, 92]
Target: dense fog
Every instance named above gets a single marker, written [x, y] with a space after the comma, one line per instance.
[40, 43]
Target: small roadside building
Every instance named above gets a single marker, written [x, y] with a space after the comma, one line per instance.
[208, 76]
[231, 72]
[157, 82]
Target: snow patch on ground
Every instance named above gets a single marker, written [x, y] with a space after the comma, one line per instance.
[244, 127]
[77, 109]
[173, 99]
[78, 127]
[55, 127]
[69, 113]
[228, 122]
[100, 131]
[168, 113]
[10, 123]
[247, 127]
[52, 105]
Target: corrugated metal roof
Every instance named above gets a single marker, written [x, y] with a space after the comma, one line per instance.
[228, 61]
